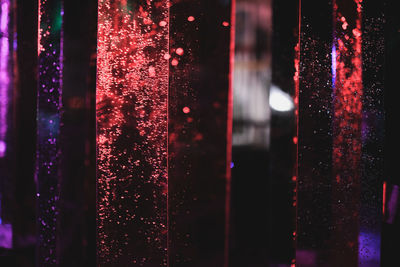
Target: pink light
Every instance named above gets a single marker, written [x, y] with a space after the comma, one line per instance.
[3, 147]
[179, 51]
[4, 17]
[4, 76]
[174, 62]
[229, 131]
[186, 110]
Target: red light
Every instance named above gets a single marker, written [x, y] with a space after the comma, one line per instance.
[152, 71]
[348, 93]
[186, 110]
[225, 24]
[384, 199]
[174, 62]
[132, 132]
[179, 51]
[191, 18]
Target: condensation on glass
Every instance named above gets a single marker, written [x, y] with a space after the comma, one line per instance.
[132, 98]
[339, 196]
[48, 128]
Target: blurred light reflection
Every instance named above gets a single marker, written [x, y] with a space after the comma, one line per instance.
[279, 100]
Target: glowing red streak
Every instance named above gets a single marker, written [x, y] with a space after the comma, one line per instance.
[347, 139]
[296, 102]
[229, 131]
[348, 102]
[39, 46]
[384, 199]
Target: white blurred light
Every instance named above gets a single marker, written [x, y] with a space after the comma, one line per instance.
[279, 100]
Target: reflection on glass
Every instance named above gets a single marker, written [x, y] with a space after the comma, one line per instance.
[251, 134]
[252, 74]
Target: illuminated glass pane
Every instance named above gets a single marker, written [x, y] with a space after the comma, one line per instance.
[340, 135]
[48, 128]
[132, 99]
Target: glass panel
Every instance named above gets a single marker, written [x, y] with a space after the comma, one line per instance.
[6, 123]
[77, 203]
[48, 128]
[391, 222]
[262, 219]
[25, 99]
[132, 99]
[250, 224]
[199, 126]
[340, 135]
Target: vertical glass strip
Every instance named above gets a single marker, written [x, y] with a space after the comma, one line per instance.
[48, 128]
[340, 134]
[132, 130]
[199, 126]
[6, 122]
[314, 140]
[250, 210]
[346, 131]
[372, 133]
[25, 70]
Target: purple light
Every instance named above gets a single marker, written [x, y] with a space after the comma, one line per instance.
[333, 65]
[4, 76]
[49, 106]
[369, 248]
[3, 147]
[5, 101]
[4, 17]
[5, 236]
